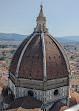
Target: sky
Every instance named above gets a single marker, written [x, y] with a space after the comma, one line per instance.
[19, 16]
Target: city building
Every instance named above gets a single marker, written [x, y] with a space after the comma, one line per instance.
[38, 74]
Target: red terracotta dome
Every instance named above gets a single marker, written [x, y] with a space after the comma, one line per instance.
[40, 56]
[29, 61]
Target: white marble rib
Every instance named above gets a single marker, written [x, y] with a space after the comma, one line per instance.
[44, 57]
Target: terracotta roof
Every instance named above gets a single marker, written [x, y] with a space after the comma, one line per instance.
[74, 81]
[32, 59]
[58, 107]
[25, 103]
[55, 63]
[74, 98]
[1, 89]
[22, 109]
[8, 99]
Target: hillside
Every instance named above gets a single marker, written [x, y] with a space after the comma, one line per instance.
[19, 37]
[68, 39]
[11, 37]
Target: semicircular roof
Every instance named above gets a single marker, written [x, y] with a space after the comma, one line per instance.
[39, 56]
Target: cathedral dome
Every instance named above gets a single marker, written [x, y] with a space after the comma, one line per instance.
[40, 68]
[40, 62]
[40, 56]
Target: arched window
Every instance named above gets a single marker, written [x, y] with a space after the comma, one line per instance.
[56, 92]
[30, 93]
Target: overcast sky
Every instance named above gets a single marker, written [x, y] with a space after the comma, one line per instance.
[19, 16]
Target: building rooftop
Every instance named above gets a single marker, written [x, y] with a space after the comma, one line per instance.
[30, 103]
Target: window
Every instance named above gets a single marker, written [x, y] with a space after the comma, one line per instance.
[30, 93]
[56, 92]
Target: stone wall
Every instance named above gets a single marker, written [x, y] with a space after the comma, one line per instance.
[46, 97]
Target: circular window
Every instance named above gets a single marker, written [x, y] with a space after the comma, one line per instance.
[56, 92]
[30, 93]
